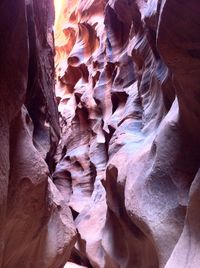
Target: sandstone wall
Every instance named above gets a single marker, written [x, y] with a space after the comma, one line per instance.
[36, 227]
[117, 142]
[128, 91]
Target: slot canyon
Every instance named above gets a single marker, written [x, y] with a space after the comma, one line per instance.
[100, 134]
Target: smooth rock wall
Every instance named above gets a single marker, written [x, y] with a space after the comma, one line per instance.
[36, 226]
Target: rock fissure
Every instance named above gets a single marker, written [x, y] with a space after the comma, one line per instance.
[99, 138]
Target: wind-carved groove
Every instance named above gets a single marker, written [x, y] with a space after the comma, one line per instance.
[101, 170]
[120, 88]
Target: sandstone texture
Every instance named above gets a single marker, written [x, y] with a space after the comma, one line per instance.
[99, 134]
[36, 226]
[127, 163]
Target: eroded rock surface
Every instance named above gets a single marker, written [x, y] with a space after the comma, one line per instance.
[36, 226]
[101, 171]
[128, 91]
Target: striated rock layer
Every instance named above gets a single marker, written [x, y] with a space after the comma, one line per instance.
[103, 170]
[128, 92]
[36, 226]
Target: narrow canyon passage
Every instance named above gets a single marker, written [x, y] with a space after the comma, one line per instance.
[99, 134]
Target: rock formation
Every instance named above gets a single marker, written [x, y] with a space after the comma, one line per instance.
[127, 86]
[101, 171]
[36, 227]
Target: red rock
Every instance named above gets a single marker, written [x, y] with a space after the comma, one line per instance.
[129, 117]
[36, 228]
[121, 150]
